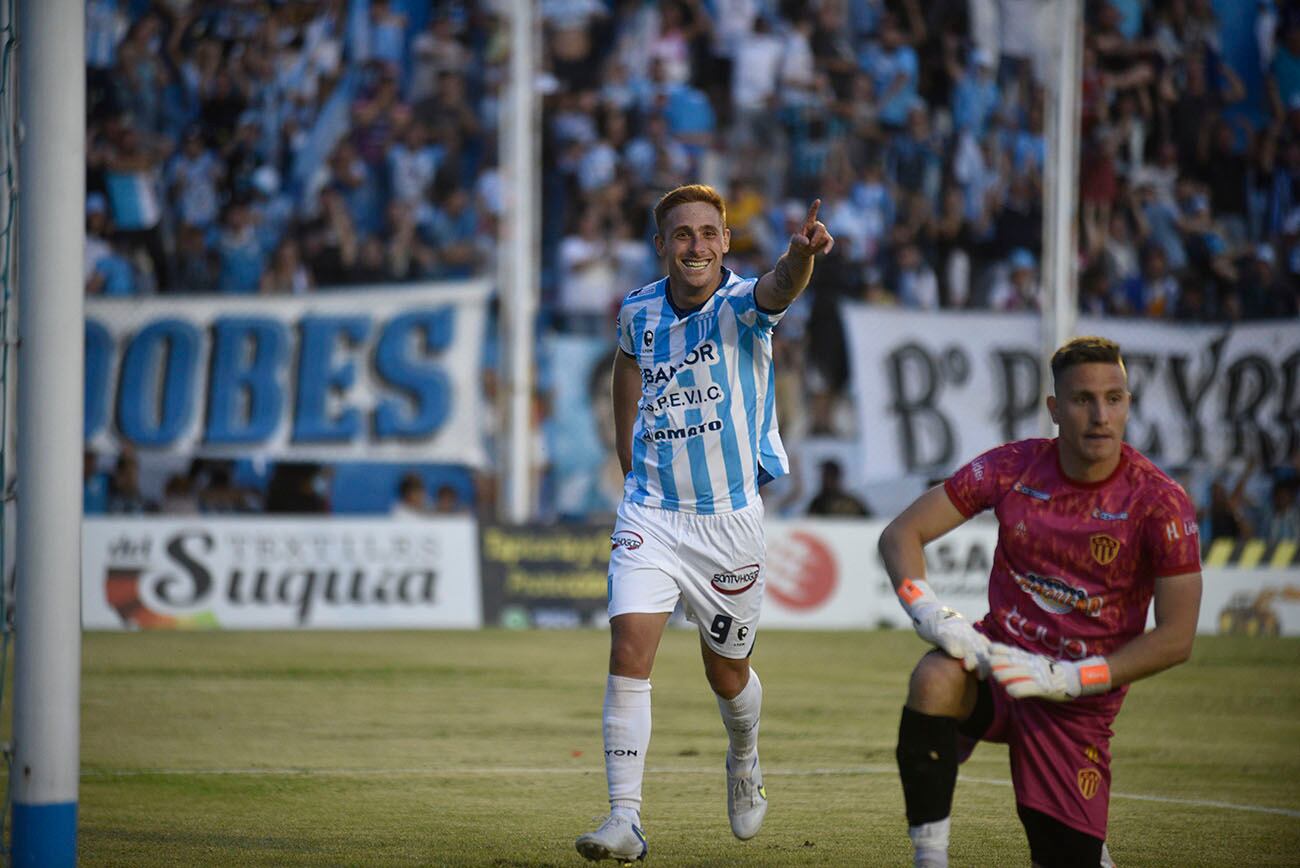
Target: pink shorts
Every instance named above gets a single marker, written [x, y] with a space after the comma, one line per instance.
[1060, 756]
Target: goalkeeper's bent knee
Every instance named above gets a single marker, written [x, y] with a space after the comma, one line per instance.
[927, 765]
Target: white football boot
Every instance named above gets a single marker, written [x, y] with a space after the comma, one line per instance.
[618, 838]
[746, 799]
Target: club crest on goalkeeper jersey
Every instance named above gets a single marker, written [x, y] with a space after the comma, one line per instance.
[1076, 563]
[705, 434]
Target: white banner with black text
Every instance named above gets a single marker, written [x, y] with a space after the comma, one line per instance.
[933, 390]
[144, 573]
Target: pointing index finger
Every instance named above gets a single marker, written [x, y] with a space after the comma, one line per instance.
[811, 219]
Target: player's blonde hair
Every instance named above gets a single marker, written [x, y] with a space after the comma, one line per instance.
[688, 193]
[1081, 350]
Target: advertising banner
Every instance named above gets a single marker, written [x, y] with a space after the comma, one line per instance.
[545, 575]
[933, 390]
[269, 573]
[826, 574]
[364, 374]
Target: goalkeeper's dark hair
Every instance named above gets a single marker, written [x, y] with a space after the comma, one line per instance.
[1082, 350]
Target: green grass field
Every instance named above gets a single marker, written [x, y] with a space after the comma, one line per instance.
[483, 748]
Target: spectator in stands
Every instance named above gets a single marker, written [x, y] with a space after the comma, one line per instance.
[94, 485]
[298, 487]
[387, 34]
[179, 497]
[1283, 523]
[918, 287]
[106, 271]
[239, 251]
[413, 162]
[132, 180]
[1228, 513]
[124, 496]
[198, 267]
[220, 493]
[435, 50]
[1017, 287]
[1224, 170]
[451, 115]
[142, 74]
[1263, 293]
[893, 66]
[453, 233]
[412, 498]
[355, 182]
[1154, 292]
[106, 26]
[975, 96]
[1284, 74]
[194, 175]
[286, 275]
[446, 501]
[330, 244]
[831, 499]
[1094, 291]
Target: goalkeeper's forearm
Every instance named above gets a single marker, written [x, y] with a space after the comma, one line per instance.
[1152, 652]
[903, 552]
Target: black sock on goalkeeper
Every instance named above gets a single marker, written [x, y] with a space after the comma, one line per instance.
[927, 764]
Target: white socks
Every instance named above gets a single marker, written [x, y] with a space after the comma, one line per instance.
[740, 716]
[627, 736]
[930, 843]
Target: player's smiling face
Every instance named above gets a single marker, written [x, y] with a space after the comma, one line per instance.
[1091, 408]
[692, 243]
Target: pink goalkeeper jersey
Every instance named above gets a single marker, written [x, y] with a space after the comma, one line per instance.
[1076, 563]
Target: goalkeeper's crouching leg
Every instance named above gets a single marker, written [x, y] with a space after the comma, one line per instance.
[927, 765]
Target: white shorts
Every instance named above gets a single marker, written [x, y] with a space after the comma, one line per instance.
[716, 565]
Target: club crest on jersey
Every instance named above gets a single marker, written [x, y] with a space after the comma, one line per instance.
[735, 581]
[1089, 782]
[649, 338]
[625, 539]
[1104, 548]
[1109, 516]
[1056, 596]
[1032, 492]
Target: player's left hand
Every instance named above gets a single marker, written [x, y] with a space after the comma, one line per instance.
[813, 237]
[1026, 675]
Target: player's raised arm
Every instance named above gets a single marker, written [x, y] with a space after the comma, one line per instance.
[778, 289]
[627, 392]
[902, 547]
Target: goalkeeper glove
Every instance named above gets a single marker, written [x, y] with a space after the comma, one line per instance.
[1024, 674]
[943, 627]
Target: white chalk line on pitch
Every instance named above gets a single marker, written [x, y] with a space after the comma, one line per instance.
[519, 771]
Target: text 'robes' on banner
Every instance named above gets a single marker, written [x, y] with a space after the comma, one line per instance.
[933, 390]
[361, 374]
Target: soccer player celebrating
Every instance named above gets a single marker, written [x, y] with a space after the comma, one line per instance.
[696, 434]
[1089, 531]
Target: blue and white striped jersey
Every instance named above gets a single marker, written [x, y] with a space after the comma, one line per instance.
[705, 434]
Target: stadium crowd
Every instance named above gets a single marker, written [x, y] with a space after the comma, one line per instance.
[283, 147]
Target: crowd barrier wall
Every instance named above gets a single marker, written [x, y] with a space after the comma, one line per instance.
[448, 572]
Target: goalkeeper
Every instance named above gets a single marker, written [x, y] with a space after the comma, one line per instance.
[1089, 533]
